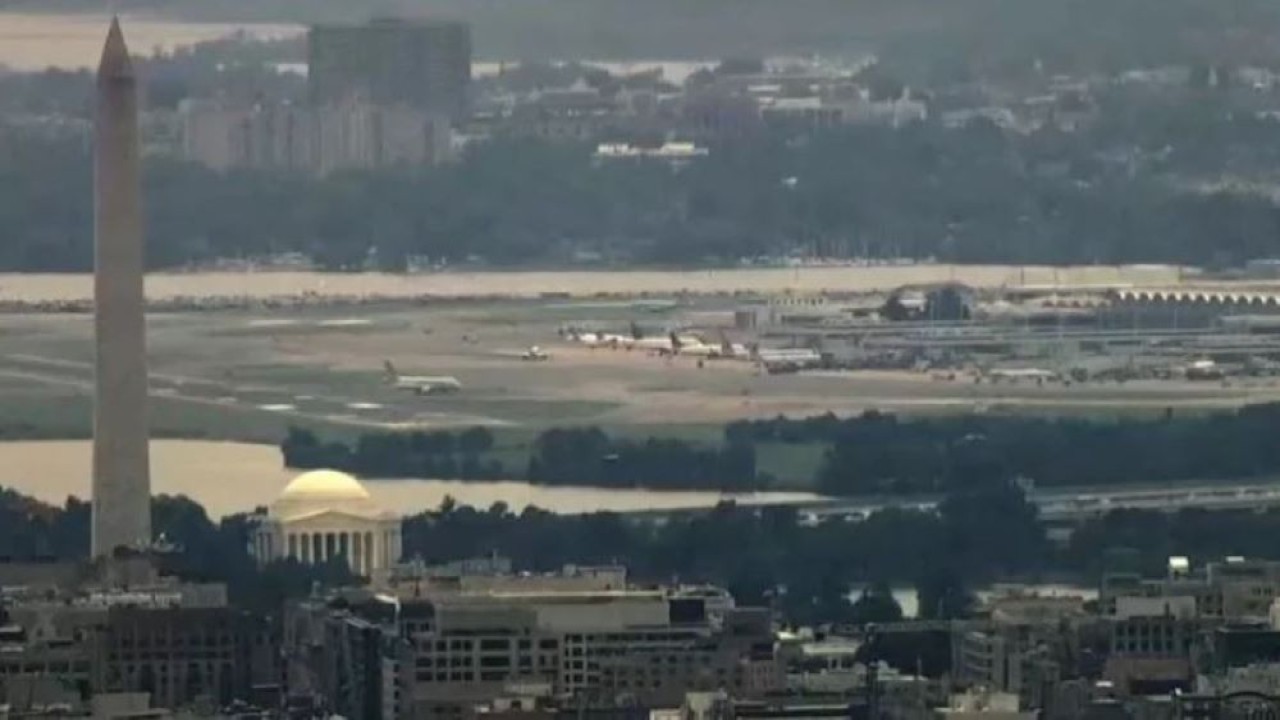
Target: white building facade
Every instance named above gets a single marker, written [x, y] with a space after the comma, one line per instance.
[324, 514]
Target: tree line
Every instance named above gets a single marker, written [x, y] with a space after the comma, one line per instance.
[558, 456]
[1121, 192]
[871, 454]
[201, 549]
[764, 556]
[769, 556]
[463, 455]
[589, 456]
[880, 453]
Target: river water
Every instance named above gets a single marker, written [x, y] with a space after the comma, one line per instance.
[31, 41]
[909, 600]
[65, 287]
[235, 477]
[73, 41]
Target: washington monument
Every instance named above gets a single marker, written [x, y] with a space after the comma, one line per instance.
[121, 468]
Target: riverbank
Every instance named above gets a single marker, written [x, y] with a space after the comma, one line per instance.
[71, 292]
[228, 478]
[31, 41]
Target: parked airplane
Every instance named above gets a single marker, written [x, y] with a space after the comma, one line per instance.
[615, 341]
[420, 384]
[694, 347]
[590, 339]
[1204, 370]
[660, 344]
[803, 357]
[1015, 375]
[535, 354]
[787, 360]
[736, 351]
[593, 339]
[654, 306]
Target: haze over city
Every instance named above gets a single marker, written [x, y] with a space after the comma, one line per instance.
[568, 358]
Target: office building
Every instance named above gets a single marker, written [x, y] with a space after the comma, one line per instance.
[180, 655]
[174, 644]
[44, 666]
[633, 647]
[446, 653]
[1151, 643]
[414, 579]
[1234, 588]
[425, 64]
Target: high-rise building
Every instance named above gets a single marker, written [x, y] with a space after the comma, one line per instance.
[121, 469]
[277, 136]
[317, 140]
[424, 64]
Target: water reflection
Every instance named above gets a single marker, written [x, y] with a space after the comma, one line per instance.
[236, 477]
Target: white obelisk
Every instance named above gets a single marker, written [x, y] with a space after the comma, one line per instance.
[121, 467]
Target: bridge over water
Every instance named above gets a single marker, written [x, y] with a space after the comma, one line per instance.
[1057, 504]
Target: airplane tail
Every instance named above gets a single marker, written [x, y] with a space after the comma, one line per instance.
[390, 370]
[635, 331]
[675, 341]
[726, 347]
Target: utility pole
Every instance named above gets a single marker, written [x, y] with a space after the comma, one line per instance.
[872, 661]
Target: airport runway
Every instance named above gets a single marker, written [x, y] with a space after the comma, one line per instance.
[334, 408]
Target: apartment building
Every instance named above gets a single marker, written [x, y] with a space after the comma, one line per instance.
[351, 135]
[425, 64]
[1027, 642]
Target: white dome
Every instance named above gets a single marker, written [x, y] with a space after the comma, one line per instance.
[322, 490]
[326, 484]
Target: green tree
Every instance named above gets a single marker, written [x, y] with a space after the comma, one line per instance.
[475, 441]
[876, 604]
[943, 595]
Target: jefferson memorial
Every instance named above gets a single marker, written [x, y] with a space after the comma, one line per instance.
[324, 514]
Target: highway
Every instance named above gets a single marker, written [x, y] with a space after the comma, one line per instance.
[1069, 504]
[1056, 504]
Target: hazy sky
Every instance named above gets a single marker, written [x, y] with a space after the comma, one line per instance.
[33, 42]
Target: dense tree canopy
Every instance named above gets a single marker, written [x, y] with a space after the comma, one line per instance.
[871, 454]
[560, 456]
[1129, 190]
[876, 604]
[765, 556]
[881, 453]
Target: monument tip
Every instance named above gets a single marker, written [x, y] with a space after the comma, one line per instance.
[115, 61]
